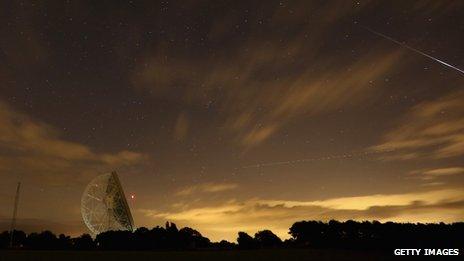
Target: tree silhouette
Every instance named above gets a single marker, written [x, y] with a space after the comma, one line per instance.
[307, 233]
[158, 238]
[245, 241]
[84, 242]
[44, 240]
[311, 234]
[19, 237]
[224, 245]
[4, 239]
[142, 240]
[64, 242]
[114, 240]
[191, 239]
[374, 235]
[172, 234]
[267, 239]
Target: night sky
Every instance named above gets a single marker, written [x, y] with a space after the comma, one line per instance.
[230, 116]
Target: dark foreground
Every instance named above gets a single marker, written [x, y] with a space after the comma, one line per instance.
[277, 254]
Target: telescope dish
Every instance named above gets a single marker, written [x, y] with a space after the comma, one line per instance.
[104, 206]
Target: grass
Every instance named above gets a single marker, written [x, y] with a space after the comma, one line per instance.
[268, 255]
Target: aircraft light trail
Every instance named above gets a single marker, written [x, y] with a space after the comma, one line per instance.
[329, 157]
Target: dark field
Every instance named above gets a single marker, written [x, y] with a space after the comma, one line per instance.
[278, 254]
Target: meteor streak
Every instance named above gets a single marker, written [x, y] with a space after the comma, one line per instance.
[413, 49]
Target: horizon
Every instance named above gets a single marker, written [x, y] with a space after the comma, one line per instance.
[228, 117]
[235, 240]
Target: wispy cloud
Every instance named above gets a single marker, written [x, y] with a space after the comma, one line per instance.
[429, 174]
[444, 171]
[206, 188]
[254, 115]
[432, 129]
[258, 85]
[31, 146]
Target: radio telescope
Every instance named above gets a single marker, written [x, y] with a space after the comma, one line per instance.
[104, 206]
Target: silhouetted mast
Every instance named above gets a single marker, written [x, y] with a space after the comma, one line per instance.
[15, 210]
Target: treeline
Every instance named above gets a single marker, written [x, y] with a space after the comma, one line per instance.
[304, 234]
[376, 235]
